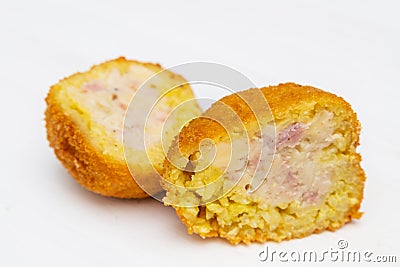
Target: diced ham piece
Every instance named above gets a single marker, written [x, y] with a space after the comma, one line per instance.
[291, 181]
[93, 86]
[291, 135]
[123, 106]
[310, 196]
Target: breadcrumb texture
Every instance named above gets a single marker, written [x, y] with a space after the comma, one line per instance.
[84, 122]
[315, 182]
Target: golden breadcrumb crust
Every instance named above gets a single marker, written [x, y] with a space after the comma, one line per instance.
[102, 174]
[281, 99]
[94, 171]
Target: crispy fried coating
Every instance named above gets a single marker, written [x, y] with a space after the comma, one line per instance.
[242, 217]
[84, 121]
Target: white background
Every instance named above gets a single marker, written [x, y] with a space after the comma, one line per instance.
[350, 48]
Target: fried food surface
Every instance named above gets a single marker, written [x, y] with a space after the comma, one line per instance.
[84, 121]
[315, 182]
